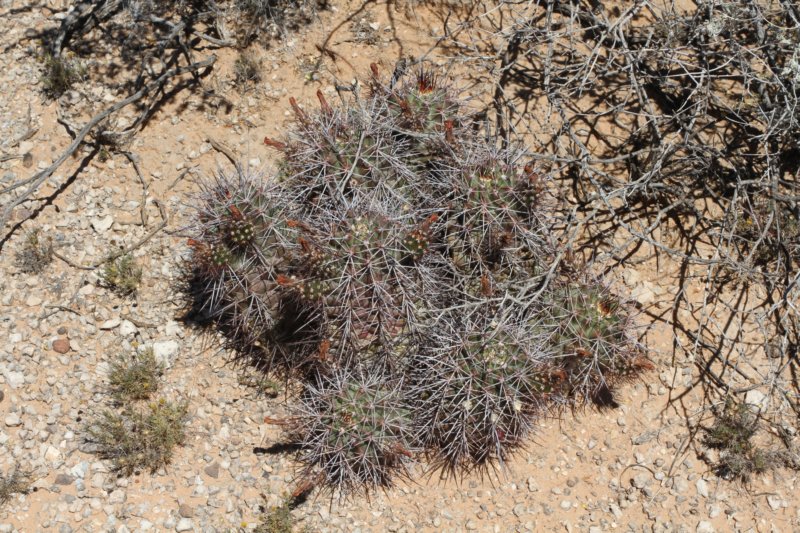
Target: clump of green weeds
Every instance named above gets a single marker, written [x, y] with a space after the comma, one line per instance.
[140, 438]
[732, 435]
[135, 376]
[59, 74]
[36, 253]
[246, 70]
[17, 482]
[279, 519]
[122, 274]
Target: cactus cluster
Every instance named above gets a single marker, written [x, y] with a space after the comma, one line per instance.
[475, 388]
[353, 430]
[396, 264]
[592, 334]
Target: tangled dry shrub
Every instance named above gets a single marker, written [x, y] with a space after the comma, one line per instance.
[271, 19]
[673, 131]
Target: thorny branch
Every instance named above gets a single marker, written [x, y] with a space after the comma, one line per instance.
[35, 181]
[675, 132]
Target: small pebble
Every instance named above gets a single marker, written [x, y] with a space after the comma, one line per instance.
[61, 345]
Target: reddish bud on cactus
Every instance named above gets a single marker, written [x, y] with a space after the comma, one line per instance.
[299, 113]
[284, 281]
[276, 421]
[196, 245]
[275, 144]
[426, 81]
[640, 363]
[324, 103]
[235, 213]
[304, 487]
[324, 346]
[448, 132]
[486, 286]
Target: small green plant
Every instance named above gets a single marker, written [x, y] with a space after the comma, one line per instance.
[60, 74]
[731, 434]
[122, 274]
[261, 384]
[277, 520]
[17, 482]
[246, 70]
[103, 155]
[36, 253]
[134, 377]
[139, 438]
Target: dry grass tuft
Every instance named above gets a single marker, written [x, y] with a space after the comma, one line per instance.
[17, 482]
[122, 275]
[140, 438]
[36, 253]
[135, 377]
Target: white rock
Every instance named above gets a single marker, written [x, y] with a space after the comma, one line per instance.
[52, 454]
[631, 277]
[705, 527]
[643, 294]
[126, 328]
[166, 351]
[12, 420]
[86, 290]
[775, 502]
[111, 323]
[757, 399]
[702, 488]
[80, 470]
[184, 524]
[102, 225]
[33, 301]
[15, 379]
[173, 329]
[25, 147]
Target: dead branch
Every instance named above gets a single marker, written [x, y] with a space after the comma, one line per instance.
[37, 179]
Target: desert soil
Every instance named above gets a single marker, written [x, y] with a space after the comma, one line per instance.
[629, 469]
